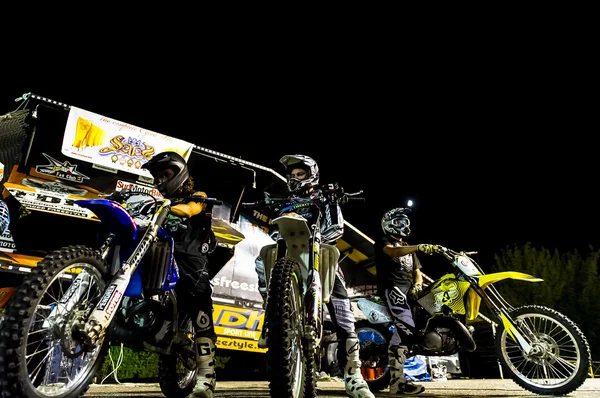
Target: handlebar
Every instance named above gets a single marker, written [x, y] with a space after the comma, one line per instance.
[450, 254]
[124, 194]
[331, 191]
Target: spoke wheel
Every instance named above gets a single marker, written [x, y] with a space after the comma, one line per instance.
[285, 356]
[44, 352]
[175, 379]
[559, 359]
[373, 355]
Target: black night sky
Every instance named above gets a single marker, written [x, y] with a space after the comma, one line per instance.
[490, 160]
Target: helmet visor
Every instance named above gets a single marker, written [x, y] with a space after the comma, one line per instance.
[400, 222]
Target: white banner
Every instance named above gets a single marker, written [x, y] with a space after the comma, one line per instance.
[111, 143]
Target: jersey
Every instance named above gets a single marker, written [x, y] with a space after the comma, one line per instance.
[394, 271]
[332, 220]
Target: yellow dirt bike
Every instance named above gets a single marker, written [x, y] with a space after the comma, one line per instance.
[541, 349]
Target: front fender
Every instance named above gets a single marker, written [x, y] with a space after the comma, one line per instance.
[473, 299]
[486, 280]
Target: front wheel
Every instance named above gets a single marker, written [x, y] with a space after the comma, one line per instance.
[559, 359]
[284, 318]
[42, 352]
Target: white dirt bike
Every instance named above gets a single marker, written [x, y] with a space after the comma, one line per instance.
[300, 273]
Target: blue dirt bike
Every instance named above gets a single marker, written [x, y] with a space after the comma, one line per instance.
[78, 301]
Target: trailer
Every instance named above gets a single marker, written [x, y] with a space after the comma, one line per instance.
[52, 154]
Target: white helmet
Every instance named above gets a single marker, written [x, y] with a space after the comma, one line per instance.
[396, 224]
[291, 162]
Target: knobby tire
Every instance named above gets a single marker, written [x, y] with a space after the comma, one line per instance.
[284, 322]
[14, 378]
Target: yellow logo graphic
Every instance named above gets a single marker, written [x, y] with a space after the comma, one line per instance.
[130, 147]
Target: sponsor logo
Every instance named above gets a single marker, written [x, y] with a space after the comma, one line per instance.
[137, 188]
[106, 298]
[63, 170]
[70, 291]
[130, 150]
[53, 204]
[240, 345]
[114, 302]
[223, 281]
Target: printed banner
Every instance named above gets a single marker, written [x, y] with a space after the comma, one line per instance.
[107, 142]
[238, 328]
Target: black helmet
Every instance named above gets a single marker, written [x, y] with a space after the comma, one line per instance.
[396, 224]
[291, 162]
[168, 160]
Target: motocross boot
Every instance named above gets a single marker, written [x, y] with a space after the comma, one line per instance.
[356, 386]
[206, 378]
[398, 383]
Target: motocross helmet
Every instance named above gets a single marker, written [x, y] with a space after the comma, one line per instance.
[291, 162]
[396, 224]
[168, 160]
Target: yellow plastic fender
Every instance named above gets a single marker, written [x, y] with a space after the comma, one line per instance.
[486, 280]
[473, 299]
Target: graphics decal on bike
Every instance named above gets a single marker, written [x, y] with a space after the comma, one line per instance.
[106, 298]
[445, 292]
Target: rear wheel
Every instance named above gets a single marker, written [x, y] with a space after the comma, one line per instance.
[559, 359]
[374, 341]
[43, 353]
[285, 356]
[175, 379]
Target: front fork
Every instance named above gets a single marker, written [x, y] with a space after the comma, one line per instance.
[313, 299]
[105, 310]
[508, 322]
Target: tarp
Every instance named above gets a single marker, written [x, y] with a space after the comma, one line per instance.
[415, 369]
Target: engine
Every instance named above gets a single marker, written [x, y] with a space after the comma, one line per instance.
[444, 335]
[141, 322]
[440, 341]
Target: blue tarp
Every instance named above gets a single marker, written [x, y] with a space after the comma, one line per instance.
[415, 369]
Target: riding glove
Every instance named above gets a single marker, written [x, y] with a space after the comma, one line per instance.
[428, 249]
